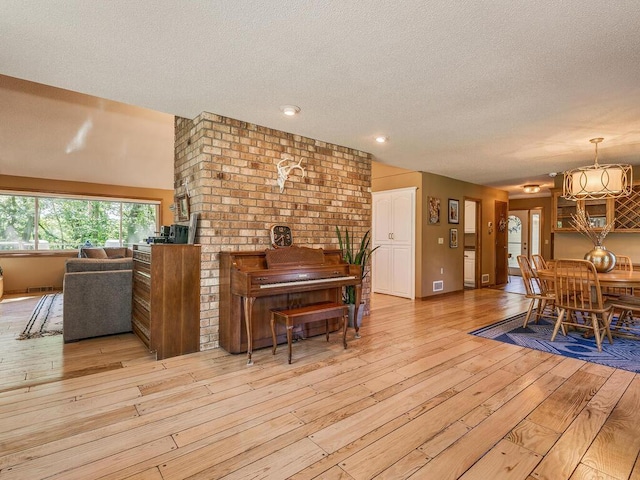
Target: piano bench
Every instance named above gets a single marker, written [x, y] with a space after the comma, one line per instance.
[306, 314]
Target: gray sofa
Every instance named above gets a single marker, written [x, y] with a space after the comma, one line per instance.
[97, 294]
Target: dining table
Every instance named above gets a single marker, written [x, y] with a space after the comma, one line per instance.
[614, 278]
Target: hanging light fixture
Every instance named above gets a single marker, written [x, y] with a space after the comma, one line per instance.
[598, 181]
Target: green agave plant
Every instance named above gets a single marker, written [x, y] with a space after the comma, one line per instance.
[361, 257]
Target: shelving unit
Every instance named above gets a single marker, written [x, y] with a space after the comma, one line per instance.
[625, 211]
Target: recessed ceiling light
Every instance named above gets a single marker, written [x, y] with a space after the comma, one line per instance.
[382, 139]
[290, 110]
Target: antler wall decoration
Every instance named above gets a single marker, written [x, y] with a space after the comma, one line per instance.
[284, 172]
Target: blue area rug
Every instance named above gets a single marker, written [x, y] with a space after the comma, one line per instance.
[624, 353]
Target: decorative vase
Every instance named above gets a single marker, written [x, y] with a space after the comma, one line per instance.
[352, 309]
[602, 259]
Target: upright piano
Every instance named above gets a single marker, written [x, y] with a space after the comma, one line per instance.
[252, 283]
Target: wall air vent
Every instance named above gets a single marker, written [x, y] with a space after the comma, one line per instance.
[39, 289]
[485, 278]
[438, 286]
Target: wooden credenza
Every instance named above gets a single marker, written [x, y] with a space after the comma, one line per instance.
[166, 298]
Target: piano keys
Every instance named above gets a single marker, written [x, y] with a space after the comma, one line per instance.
[252, 283]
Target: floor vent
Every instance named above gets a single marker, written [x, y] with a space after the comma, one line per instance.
[39, 289]
[485, 278]
[438, 286]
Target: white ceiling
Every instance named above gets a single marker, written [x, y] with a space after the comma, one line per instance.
[496, 92]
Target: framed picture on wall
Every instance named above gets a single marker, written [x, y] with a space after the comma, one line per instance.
[453, 238]
[454, 211]
[434, 210]
[182, 205]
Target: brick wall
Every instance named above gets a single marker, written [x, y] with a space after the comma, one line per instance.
[228, 168]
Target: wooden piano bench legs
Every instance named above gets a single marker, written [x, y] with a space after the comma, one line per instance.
[309, 313]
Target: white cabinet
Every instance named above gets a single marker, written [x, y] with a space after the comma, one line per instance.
[469, 216]
[469, 268]
[393, 263]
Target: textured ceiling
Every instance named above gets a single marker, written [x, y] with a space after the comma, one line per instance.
[494, 92]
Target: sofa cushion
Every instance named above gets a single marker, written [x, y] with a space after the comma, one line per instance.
[118, 252]
[106, 252]
[93, 253]
[98, 264]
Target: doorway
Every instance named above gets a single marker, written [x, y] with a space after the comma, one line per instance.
[472, 256]
[524, 237]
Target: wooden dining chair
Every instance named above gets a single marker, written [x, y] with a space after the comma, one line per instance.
[625, 305]
[579, 300]
[623, 264]
[542, 301]
[539, 263]
[628, 322]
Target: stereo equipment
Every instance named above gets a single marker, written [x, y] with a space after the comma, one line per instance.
[171, 234]
[178, 233]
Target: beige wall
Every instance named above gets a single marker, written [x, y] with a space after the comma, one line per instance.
[432, 256]
[575, 245]
[230, 168]
[22, 271]
[435, 255]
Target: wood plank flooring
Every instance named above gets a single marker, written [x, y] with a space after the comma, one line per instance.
[415, 397]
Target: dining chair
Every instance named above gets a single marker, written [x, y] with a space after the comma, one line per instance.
[628, 322]
[542, 301]
[624, 302]
[579, 300]
[623, 264]
[539, 263]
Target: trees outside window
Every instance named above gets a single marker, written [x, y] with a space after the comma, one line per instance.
[57, 223]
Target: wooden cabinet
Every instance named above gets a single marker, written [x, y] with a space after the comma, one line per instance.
[623, 211]
[166, 298]
[600, 212]
[393, 263]
[627, 212]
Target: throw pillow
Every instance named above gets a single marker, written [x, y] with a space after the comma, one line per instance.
[94, 252]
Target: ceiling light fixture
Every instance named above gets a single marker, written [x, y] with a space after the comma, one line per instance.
[382, 139]
[598, 181]
[531, 188]
[290, 110]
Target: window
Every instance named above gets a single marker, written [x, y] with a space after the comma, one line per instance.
[31, 222]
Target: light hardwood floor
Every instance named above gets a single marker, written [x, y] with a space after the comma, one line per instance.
[415, 397]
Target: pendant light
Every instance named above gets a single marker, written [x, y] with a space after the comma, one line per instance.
[598, 181]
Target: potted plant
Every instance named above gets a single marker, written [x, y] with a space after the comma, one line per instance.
[361, 257]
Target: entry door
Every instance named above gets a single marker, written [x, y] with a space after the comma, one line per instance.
[518, 238]
[525, 236]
